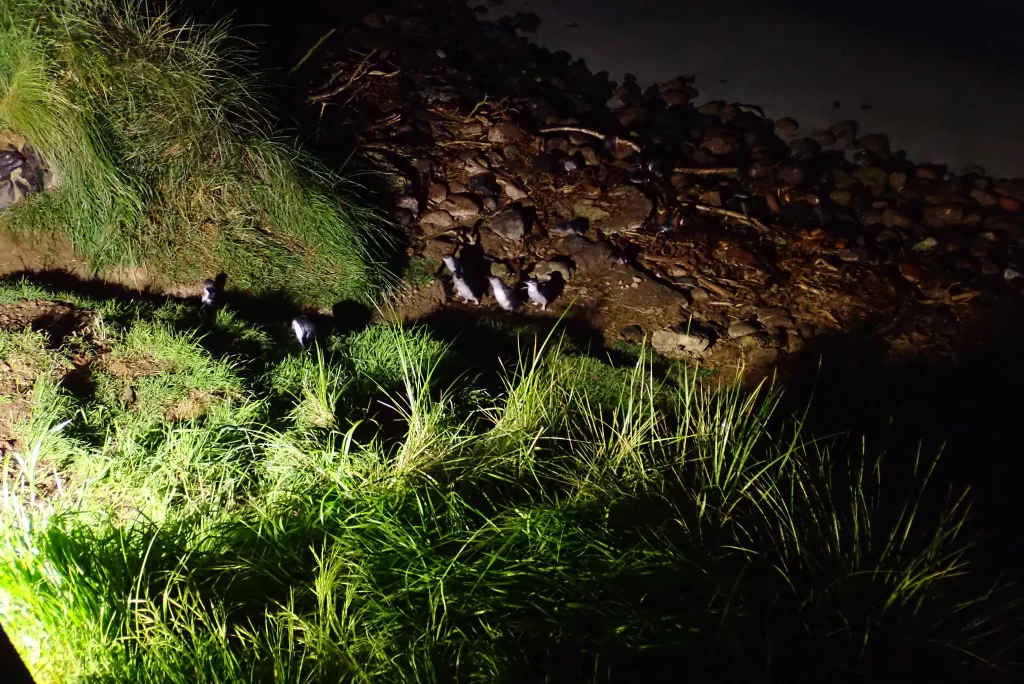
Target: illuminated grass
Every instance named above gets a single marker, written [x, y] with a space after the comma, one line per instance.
[370, 511]
[164, 158]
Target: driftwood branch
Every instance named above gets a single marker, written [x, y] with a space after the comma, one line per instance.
[734, 215]
[596, 134]
[704, 282]
[309, 53]
[694, 171]
[361, 70]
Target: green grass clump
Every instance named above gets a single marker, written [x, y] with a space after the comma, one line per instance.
[163, 157]
[371, 511]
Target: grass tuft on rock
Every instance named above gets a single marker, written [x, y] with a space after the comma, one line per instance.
[374, 511]
[162, 156]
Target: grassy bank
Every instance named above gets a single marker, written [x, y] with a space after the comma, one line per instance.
[195, 499]
[162, 155]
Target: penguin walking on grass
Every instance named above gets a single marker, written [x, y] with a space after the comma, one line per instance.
[213, 291]
[305, 331]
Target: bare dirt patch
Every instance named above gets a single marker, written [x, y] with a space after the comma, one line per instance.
[18, 372]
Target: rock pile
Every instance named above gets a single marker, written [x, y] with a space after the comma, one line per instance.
[709, 228]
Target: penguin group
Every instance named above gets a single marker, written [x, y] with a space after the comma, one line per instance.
[212, 297]
[539, 292]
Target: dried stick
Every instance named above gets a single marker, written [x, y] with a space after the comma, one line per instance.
[704, 282]
[725, 171]
[358, 73]
[310, 52]
[735, 215]
[590, 132]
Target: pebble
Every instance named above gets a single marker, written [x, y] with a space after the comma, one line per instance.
[402, 216]
[841, 197]
[712, 198]
[675, 344]
[846, 131]
[591, 257]
[438, 219]
[505, 132]
[590, 156]
[983, 198]
[436, 193]
[791, 175]
[543, 163]
[461, 206]
[892, 218]
[763, 357]
[824, 138]
[713, 108]
[632, 333]
[576, 226]
[632, 209]
[512, 189]
[699, 296]
[742, 329]
[876, 178]
[720, 143]
[876, 143]
[911, 273]
[943, 215]
[483, 185]
[570, 164]
[758, 169]
[407, 202]
[787, 125]
[556, 145]
[756, 340]
[562, 264]
[805, 148]
[500, 269]
[633, 117]
[1010, 204]
[509, 224]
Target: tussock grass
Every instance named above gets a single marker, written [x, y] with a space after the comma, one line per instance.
[163, 156]
[366, 512]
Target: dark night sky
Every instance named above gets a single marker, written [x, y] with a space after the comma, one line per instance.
[943, 78]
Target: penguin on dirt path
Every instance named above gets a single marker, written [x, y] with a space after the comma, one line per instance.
[505, 295]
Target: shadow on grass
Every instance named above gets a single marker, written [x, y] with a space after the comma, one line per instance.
[967, 406]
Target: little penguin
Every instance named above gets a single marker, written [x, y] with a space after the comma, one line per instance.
[576, 226]
[462, 287]
[305, 331]
[537, 296]
[505, 295]
[210, 293]
[213, 290]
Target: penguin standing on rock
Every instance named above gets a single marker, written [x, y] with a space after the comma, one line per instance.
[305, 331]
